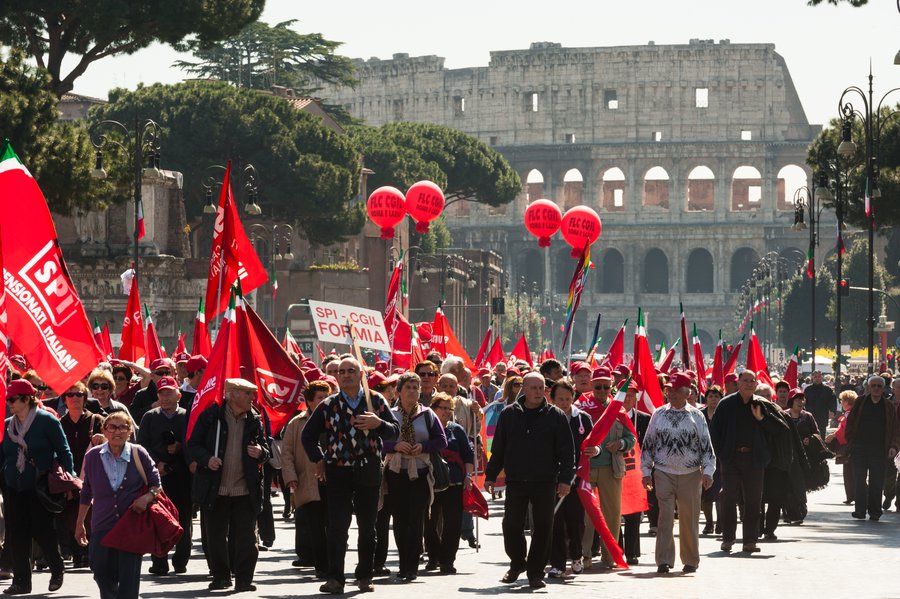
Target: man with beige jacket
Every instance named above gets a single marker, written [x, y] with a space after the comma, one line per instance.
[307, 493]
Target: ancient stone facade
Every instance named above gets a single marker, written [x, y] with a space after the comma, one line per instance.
[691, 154]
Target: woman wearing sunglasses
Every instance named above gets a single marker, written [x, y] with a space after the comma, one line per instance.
[101, 386]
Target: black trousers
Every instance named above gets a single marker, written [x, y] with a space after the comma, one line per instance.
[568, 528]
[314, 516]
[408, 511]
[26, 519]
[443, 527]
[869, 465]
[742, 482]
[347, 496]
[266, 519]
[519, 496]
[383, 531]
[178, 489]
[232, 521]
[631, 539]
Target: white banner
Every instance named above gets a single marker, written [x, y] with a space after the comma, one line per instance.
[331, 325]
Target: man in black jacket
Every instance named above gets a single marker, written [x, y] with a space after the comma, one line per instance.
[229, 446]
[533, 444]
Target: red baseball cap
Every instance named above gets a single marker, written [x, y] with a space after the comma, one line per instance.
[19, 387]
[166, 382]
[601, 373]
[159, 363]
[483, 372]
[196, 363]
[381, 366]
[731, 378]
[181, 357]
[623, 370]
[795, 392]
[680, 380]
[578, 367]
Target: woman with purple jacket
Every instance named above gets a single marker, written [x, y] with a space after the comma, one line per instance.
[112, 486]
[407, 463]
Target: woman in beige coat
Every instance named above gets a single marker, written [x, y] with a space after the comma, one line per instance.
[307, 493]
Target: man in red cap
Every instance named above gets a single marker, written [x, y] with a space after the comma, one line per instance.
[731, 383]
[195, 366]
[677, 450]
[581, 379]
[594, 403]
[181, 360]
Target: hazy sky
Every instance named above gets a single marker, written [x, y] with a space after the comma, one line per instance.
[827, 48]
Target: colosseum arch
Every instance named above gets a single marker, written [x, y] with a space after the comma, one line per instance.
[530, 264]
[701, 189]
[743, 261]
[611, 278]
[612, 190]
[606, 339]
[707, 343]
[699, 275]
[563, 266]
[790, 178]
[655, 272]
[573, 189]
[656, 188]
[746, 188]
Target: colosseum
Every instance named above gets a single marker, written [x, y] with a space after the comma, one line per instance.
[691, 154]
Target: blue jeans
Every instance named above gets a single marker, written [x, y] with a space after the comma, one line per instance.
[117, 573]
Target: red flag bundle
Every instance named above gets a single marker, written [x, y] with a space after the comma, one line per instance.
[732, 359]
[474, 502]
[790, 373]
[290, 344]
[133, 342]
[483, 348]
[496, 355]
[699, 366]
[180, 347]
[232, 256]
[685, 352]
[651, 396]
[444, 339]
[201, 345]
[616, 354]
[521, 351]
[45, 315]
[718, 369]
[756, 362]
[155, 349]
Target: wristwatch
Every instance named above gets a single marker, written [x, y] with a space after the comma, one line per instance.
[154, 492]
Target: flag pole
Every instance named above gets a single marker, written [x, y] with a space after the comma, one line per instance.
[363, 379]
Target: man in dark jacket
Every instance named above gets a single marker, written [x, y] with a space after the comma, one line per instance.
[229, 446]
[354, 427]
[533, 444]
[821, 401]
[740, 431]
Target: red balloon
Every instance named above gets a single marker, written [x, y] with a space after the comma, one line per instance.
[580, 226]
[425, 202]
[542, 219]
[386, 207]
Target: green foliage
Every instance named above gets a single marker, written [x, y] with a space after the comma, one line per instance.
[822, 154]
[261, 56]
[59, 155]
[465, 168]
[350, 265]
[892, 253]
[855, 307]
[308, 174]
[437, 238]
[796, 303]
[50, 31]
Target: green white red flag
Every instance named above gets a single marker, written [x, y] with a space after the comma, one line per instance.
[650, 395]
[154, 347]
[200, 343]
[685, 352]
[699, 366]
[718, 369]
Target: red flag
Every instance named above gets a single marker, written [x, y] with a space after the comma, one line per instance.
[133, 344]
[140, 220]
[154, 347]
[634, 495]
[180, 347]
[201, 345]
[651, 396]
[667, 360]
[232, 255]
[445, 341]
[416, 354]
[393, 302]
[223, 364]
[718, 370]
[732, 359]
[264, 362]
[495, 356]
[616, 353]
[756, 362]
[98, 336]
[4, 358]
[482, 350]
[107, 342]
[45, 315]
[790, 373]
[521, 351]
[474, 502]
[685, 352]
[699, 366]
[321, 353]
[290, 344]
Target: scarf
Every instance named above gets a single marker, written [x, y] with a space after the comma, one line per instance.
[406, 428]
[17, 432]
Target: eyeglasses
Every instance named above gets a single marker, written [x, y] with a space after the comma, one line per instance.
[40, 387]
[602, 387]
[121, 379]
[443, 408]
[73, 394]
[347, 371]
[422, 375]
[117, 427]
[15, 398]
[165, 372]
[104, 386]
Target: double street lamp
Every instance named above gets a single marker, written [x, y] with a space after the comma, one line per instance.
[808, 202]
[873, 118]
[249, 182]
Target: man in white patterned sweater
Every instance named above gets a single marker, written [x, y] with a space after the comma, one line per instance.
[677, 449]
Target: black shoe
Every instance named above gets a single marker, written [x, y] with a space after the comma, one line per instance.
[632, 561]
[511, 576]
[180, 569]
[332, 587]
[219, 584]
[56, 581]
[886, 505]
[752, 548]
[365, 585]
[536, 583]
[448, 569]
[382, 571]
[473, 543]
[727, 545]
[770, 536]
[708, 529]
[689, 569]
[431, 566]
[875, 518]
[859, 516]
[16, 589]
[663, 569]
[158, 570]
[244, 587]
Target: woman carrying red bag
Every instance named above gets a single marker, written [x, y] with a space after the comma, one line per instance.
[112, 486]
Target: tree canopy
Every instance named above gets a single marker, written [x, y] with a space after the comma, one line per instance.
[464, 167]
[263, 55]
[58, 154]
[307, 173]
[51, 30]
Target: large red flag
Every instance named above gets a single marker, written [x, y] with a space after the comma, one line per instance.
[756, 362]
[223, 364]
[732, 359]
[718, 369]
[155, 349]
[107, 341]
[180, 347]
[200, 344]
[4, 359]
[496, 355]
[699, 366]
[444, 339]
[45, 315]
[790, 373]
[521, 351]
[264, 362]
[651, 396]
[482, 350]
[232, 256]
[616, 354]
[133, 346]
[394, 300]
[666, 363]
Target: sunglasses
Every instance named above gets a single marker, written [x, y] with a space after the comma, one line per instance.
[426, 374]
[40, 387]
[73, 394]
[602, 387]
[15, 398]
[165, 372]
[104, 386]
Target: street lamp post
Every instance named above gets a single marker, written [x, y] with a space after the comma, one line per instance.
[873, 119]
[145, 135]
[811, 203]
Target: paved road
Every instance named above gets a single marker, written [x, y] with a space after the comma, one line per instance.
[830, 555]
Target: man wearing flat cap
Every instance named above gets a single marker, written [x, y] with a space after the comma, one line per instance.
[229, 446]
[677, 449]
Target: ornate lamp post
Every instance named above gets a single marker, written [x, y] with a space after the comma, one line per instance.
[805, 200]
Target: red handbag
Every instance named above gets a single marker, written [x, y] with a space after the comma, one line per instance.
[155, 531]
